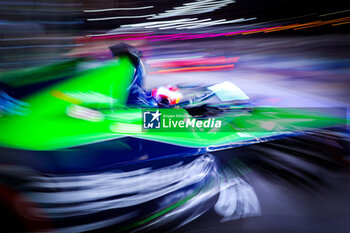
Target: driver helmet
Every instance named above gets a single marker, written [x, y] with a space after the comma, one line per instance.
[167, 95]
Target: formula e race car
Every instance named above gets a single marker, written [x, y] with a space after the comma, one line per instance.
[89, 109]
[76, 157]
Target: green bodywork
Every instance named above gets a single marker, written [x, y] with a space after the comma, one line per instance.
[102, 92]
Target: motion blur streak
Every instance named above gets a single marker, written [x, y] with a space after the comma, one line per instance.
[340, 23]
[196, 7]
[237, 200]
[94, 187]
[187, 36]
[175, 191]
[193, 69]
[120, 17]
[120, 9]
[11, 106]
[201, 61]
[46, 4]
[194, 65]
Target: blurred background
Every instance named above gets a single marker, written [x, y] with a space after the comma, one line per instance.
[290, 41]
[290, 53]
